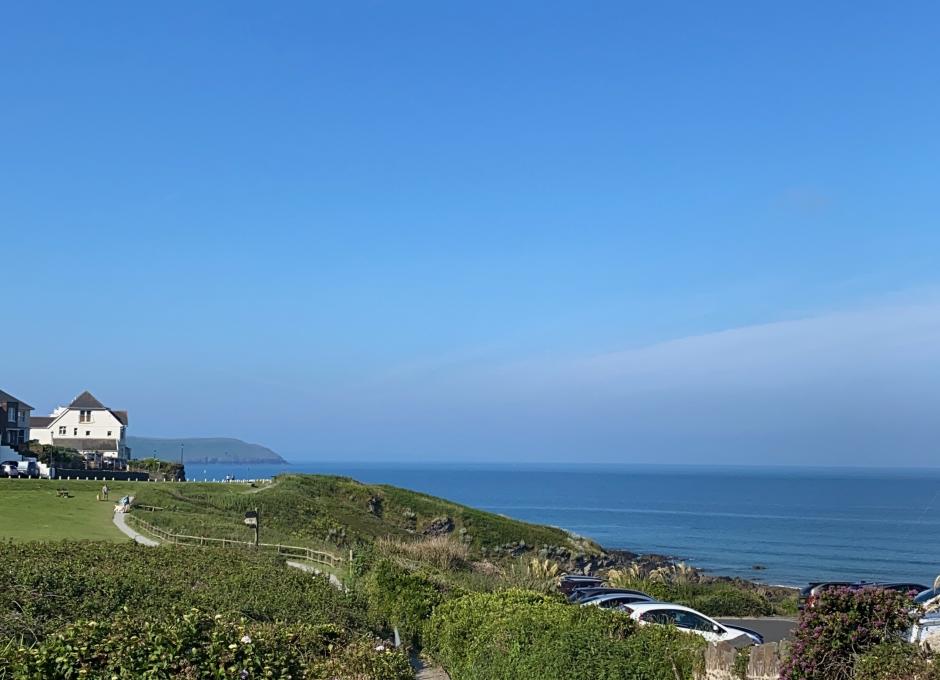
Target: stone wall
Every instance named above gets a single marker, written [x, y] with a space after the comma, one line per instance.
[764, 662]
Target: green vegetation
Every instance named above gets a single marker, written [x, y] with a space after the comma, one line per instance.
[204, 450]
[313, 510]
[49, 585]
[192, 644]
[129, 611]
[896, 661]
[56, 455]
[711, 596]
[33, 511]
[474, 590]
[520, 634]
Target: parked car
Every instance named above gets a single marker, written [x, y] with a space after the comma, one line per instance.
[926, 630]
[581, 594]
[926, 596]
[812, 591]
[569, 582]
[9, 468]
[28, 468]
[691, 621]
[807, 594]
[615, 600]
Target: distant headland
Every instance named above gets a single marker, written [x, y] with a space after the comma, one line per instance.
[203, 450]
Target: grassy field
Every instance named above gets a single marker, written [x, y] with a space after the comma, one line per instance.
[31, 511]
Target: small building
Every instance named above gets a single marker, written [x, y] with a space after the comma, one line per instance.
[97, 432]
[14, 422]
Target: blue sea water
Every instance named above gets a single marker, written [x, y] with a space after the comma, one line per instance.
[801, 524]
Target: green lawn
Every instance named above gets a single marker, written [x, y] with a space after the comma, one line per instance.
[31, 511]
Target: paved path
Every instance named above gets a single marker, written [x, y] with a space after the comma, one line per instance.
[425, 672]
[309, 568]
[120, 521]
[774, 629]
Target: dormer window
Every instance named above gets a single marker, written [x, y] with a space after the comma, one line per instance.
[84, 416]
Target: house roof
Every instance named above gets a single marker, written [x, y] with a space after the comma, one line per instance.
[120, 415]
[41, 421]
[86, 400]
[4, 397]
[86, 444]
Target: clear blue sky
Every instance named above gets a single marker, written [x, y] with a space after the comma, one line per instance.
[667, 232]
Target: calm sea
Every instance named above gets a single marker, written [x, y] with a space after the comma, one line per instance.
[801, 524]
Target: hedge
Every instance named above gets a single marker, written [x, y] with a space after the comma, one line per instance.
[520, 634]
[194, 644]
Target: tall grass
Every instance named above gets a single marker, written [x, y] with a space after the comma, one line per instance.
[442, 552]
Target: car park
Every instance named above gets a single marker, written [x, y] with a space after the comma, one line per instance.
[615, 600]
[690, 621]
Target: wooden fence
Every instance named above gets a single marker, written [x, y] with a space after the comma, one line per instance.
[295, 551]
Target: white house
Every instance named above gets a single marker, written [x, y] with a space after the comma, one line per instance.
[89, 427]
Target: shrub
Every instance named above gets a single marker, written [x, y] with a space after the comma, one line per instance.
[896, 661]
[194, 644]
[842, 625]
[49, 585]
[519, 634]
[401, 599]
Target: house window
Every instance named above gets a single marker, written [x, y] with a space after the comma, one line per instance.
[84, 417]
[62, 430]
[11, 413]
[109, 433]
[87, 433]
[75, 431]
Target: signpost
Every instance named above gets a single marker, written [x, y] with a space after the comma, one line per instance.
[252, 519]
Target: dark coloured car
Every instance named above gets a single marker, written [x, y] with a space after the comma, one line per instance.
[926, 596]
[812, 591]
[615, 600]
[582, 594]
[570, 582]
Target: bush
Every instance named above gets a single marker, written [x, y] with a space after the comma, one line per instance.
[46, 586]
[519, 634]
[842, 625]
[194, 644]
[401, 599]
[896, 661]
[728, 601]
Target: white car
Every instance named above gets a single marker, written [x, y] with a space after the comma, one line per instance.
[615, 600]
[688, 620]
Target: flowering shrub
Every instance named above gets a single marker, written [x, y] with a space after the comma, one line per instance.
[842, 625]
[197, 645]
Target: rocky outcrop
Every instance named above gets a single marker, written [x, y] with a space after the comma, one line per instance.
[440, 526]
